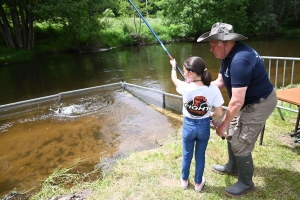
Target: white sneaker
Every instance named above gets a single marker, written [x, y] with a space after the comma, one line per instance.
[198, 187]
[184, 183]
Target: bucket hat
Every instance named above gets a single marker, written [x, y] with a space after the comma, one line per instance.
[221, 32]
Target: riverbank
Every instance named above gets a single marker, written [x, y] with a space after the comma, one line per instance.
[154, 174]
[8, 56]
[51, 40]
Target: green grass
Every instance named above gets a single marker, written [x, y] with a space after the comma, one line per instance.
[48, 40]
[119, 32]
[13, 55]
[154, 174]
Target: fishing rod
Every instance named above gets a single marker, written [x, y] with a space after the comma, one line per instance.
[171, 58]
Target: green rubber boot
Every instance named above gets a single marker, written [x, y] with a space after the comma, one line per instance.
[244, 183]
[230, 167]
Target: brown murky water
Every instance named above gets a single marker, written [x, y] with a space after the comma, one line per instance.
[108, 125]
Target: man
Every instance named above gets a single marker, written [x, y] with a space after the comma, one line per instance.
[252, 100]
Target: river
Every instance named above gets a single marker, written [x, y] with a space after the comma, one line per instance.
[103, 125]
[147, 66]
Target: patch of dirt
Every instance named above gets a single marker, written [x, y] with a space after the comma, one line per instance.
[16, 196]
[288, 140]
[80, 195]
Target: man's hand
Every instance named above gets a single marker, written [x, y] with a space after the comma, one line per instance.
[221, 129]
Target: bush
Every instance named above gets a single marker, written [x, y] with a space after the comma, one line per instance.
[108, 13]
[47, 31]
[8, 55]
[114, 38]
[114, 32]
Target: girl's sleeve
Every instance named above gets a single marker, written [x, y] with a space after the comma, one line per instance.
[180, 87]
[219, 100]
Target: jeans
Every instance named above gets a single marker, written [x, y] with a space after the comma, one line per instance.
[195, 132]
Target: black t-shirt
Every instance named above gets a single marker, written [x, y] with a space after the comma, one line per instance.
[243, 67]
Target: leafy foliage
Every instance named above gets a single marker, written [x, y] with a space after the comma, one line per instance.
[196, 16]
[84, 21]
[248, 16]
[79, 19]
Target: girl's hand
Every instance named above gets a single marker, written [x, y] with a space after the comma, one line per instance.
[173, 63]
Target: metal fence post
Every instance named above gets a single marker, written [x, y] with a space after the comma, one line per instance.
[164, 100]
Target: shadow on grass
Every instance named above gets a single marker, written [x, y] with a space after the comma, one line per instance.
[279, 183]
[294, 149]
[270, 182]
[291, 145]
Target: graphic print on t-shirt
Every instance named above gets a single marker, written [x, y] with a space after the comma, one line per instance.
[197, 107]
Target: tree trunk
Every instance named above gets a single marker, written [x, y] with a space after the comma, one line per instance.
[16, 24]
[23, 24]
[27, 25]
[30, 38]
[4, 26]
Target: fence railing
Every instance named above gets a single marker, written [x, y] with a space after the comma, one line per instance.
[281, 65]
[282, 72]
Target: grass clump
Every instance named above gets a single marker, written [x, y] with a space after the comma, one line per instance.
[65, 180]
[8, 55]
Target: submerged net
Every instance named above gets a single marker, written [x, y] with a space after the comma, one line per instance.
[79, 101]
[155, 97]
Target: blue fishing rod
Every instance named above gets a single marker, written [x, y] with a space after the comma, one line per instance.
[171, 58]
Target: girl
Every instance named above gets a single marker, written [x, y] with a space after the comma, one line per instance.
[198, 98]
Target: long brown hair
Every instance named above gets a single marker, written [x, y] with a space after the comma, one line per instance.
[197, 65]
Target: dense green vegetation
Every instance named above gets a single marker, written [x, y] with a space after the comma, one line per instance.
[48, 26]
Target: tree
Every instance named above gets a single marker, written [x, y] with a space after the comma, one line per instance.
[265, 20]
[293, 17]
[16, 23]
[126, 10]
[197, 16]
[78, 18]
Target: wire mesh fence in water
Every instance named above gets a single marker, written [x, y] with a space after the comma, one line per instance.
[156, 97]
[57, 101]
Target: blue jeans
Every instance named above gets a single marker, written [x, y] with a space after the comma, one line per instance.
[195, 132]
